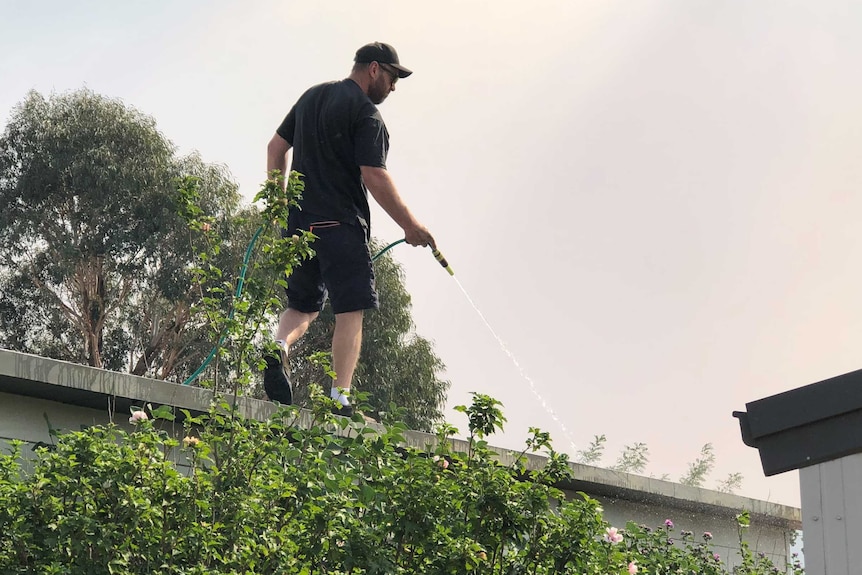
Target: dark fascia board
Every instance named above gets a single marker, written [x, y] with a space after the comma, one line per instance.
[808, 445]
[805, 426]
[805, 405]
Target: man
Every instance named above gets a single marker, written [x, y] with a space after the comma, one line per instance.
[339, 144]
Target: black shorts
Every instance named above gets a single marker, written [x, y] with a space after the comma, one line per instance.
[341, 267]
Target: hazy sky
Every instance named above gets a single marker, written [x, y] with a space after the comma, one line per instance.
[654, 204]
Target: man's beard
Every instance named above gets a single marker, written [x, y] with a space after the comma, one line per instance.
[377, 92]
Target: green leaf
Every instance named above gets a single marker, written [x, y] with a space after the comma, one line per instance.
[164, 412]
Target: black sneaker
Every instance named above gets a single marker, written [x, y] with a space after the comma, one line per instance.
[275, 381]
[343, 411]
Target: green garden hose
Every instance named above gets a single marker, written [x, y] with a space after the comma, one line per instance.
[387, 248]
[239, 286]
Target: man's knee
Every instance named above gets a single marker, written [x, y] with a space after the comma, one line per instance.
[299, 316]
[349, 317]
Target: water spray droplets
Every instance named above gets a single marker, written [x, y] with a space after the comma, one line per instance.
[533, 388]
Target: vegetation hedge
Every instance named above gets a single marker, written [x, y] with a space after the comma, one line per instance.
[333, 496]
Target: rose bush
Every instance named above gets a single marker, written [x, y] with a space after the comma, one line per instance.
[329, 496]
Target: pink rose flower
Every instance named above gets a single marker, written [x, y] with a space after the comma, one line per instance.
[441, 462]
[613, 535]
[138, 416]
[633, 569]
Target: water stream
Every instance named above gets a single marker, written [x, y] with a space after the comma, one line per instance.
[521, 370]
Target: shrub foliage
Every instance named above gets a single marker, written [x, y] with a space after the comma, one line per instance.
[329, 496]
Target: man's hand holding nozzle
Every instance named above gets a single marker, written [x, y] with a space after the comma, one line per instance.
[419, 236]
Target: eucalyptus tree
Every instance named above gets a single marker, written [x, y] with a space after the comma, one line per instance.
[93, 263]
[84, 196]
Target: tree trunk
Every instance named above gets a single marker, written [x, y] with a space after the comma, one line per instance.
[89, 280]
[165, 341]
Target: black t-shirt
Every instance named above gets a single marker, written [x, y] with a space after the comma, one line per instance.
[334, 128]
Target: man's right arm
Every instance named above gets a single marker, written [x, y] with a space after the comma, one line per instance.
[382, 189]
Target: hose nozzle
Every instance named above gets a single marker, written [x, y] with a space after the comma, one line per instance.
[439, 257]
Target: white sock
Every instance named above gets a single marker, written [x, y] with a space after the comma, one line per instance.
[341, 394]
[280, 344]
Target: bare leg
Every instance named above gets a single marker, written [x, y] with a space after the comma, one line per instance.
[292, 325]
[346, 342]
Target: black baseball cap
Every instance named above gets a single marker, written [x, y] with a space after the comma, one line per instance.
[382, 54]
